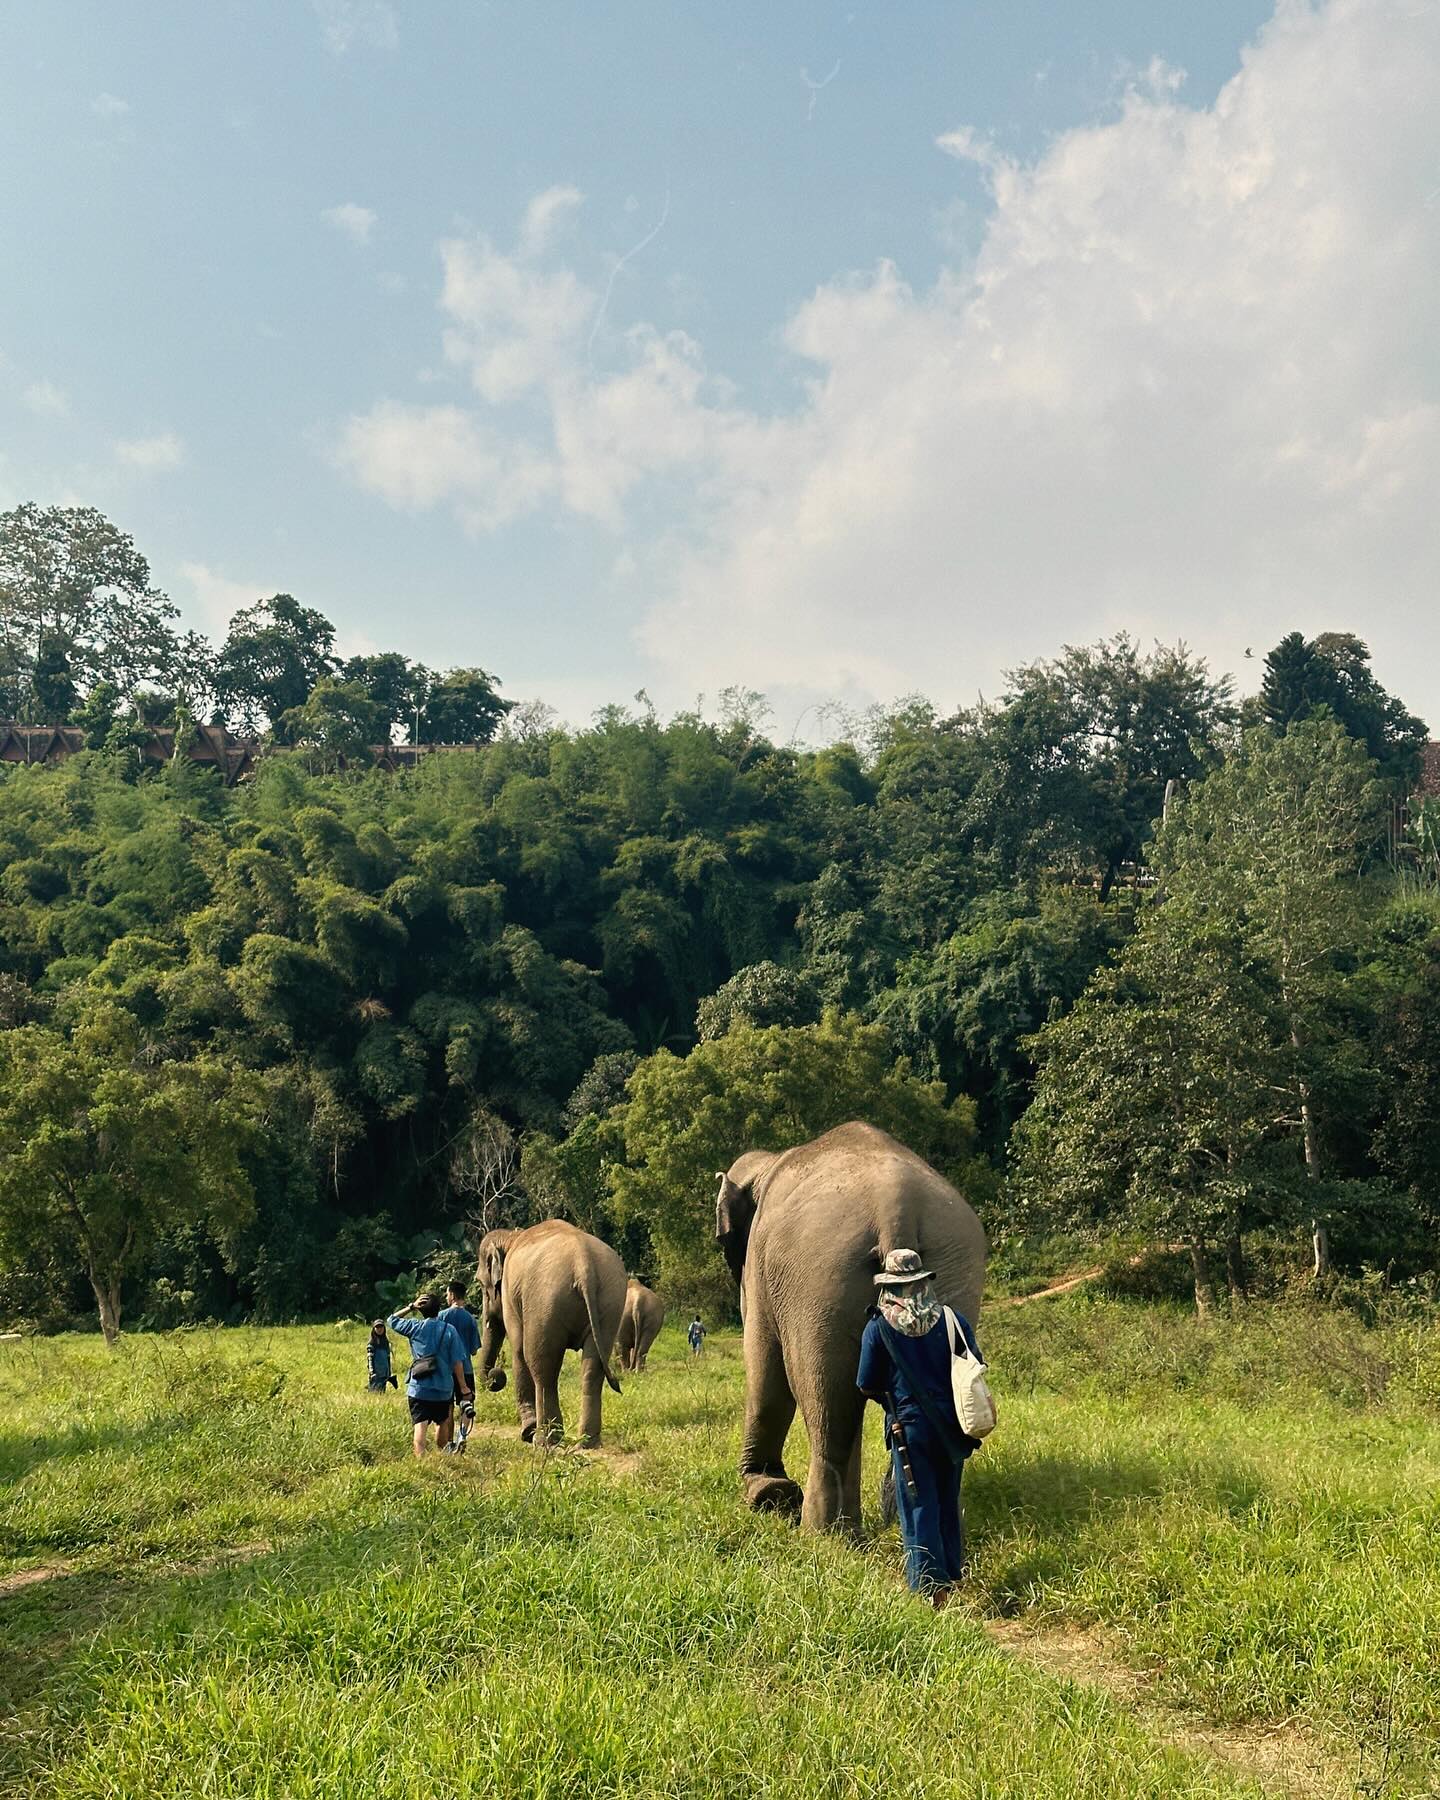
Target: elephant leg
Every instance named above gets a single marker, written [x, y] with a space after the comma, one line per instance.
[549, 1427]
[524, 1394]
[832, 1488]
[769, 1410]
[592, 1386]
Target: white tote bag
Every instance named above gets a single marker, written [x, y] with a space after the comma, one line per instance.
[974, 1403]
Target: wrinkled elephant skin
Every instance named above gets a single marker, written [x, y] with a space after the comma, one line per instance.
[639, 1325]
[803, 1231]
[550, 1288]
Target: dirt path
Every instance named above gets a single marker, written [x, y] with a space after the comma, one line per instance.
[1055, 1287]
[200, 1565]
[618, 1462]
[24, 1578]
[1285, 1759]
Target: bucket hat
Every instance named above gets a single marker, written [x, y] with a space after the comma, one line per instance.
[901, 1268]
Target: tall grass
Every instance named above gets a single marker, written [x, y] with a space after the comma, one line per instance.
[1253, 1525]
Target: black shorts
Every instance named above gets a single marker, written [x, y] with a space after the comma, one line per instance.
[430, 1412]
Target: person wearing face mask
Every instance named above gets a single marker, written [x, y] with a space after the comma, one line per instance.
[905, 1359]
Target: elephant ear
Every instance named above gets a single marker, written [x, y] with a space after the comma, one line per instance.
[492, 1264]
[734, 1215]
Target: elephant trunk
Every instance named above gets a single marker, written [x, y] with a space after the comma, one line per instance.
[492, 1336]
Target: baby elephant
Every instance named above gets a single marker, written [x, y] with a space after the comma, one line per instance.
[549, 1289]
[639, 1325]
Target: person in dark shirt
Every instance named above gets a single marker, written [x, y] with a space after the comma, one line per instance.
[458, 1315]
[905, 1366]
[377, 1359]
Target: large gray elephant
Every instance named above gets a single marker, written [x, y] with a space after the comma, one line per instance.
[802, 1231]
[550, 1288]
[639, 1325]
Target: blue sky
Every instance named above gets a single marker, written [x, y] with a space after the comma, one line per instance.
[831, 350]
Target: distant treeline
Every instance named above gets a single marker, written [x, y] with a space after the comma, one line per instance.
[266, 1047]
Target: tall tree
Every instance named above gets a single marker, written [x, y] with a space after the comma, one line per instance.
[1082, 747]
[1408, 1143]
[102, 1149]
[1157, 1094]
[462, 706]
[395, 684]
[1218, 1033]
[1331, 674]
[338, 724]
[76, 607]
[1273, 844]
[273, 655]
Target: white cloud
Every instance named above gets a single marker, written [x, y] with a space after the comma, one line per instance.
[352, 221]
[418, 456]
[46, 400]
[513, 326]
[151, 455]
[214, 599]
[347, 23]
[1186, 385]
[109, 106]
[544, 214]
[519, 332]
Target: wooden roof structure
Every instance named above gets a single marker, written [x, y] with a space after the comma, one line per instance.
[38, 743]
[212, 746]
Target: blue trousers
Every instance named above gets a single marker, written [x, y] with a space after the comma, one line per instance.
[930, 1523]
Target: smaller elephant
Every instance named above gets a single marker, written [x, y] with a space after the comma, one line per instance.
[550, 1288]
[639, 1325]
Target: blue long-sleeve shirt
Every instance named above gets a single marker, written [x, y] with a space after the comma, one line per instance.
[929, 1359]
[377, 1360]
[430, 1337]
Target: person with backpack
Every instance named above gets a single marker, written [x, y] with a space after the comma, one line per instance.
[378, 1373]
[437, 1370]
[696, 1336]
[907, 1360]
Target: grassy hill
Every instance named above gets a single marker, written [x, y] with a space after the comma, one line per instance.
[1206, 1561]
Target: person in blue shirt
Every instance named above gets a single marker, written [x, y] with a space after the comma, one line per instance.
[462, 1321]
[377, 1359]
[437, 1370]
[905, 1365]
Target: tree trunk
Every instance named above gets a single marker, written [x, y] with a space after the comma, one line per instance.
[1200, 1267]
[1235, 1268]
[107, 1298]
[1319, 1236]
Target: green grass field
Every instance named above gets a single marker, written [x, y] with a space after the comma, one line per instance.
[259, 1594]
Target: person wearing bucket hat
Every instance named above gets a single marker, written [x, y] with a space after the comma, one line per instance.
[905, 1367]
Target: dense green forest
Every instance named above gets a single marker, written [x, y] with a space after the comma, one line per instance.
[1119, 954]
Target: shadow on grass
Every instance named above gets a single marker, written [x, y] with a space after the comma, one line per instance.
[1050, 1504]
[76, 1619]
[20, 1453]
[72, 1625]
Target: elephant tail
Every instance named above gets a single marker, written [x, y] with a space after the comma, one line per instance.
[587, 1289]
